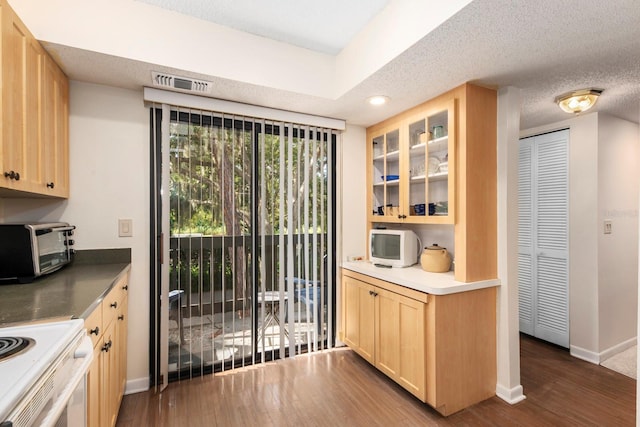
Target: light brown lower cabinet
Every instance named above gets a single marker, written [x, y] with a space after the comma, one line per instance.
[441, 348]
[107, 327]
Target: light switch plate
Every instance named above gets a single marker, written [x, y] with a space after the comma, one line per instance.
[125, 228]
[607, 226]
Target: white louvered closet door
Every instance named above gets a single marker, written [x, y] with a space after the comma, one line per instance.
[543, 239]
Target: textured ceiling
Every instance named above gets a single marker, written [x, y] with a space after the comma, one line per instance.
[325, 26]
[544, 47]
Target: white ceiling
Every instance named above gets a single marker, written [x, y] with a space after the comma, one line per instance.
[544, 47]
[325, 26]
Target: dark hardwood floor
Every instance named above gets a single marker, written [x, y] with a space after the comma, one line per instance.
[338, 388]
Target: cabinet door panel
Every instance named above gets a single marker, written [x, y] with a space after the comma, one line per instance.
[94, 387]
[109, 376]
[32, 116]
[412, 344]
[121, 337]
[387, 326]
[400, 340]
[55, 132]
[14, 54]
[359, 318]
[385, 171]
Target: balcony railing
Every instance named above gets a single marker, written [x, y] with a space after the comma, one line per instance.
[216, 273]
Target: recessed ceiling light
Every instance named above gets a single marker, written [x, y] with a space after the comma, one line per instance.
[578, 101]
[378, 100]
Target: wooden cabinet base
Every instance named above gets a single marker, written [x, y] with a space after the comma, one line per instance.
[461, 349]
[107, 327]
[441, 348]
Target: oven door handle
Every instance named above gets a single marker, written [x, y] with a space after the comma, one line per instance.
[85, 353]
[66, 228]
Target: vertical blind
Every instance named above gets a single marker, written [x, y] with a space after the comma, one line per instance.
[252, 240]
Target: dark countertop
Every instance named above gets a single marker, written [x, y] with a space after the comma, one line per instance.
[72, 292]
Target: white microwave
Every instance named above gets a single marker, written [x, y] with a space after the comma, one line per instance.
[393, 248]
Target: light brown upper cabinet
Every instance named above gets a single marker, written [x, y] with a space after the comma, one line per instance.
[55, 135]
[35, 111]
[436, 164]
[410, 178]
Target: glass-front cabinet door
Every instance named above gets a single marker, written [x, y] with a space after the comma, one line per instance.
[412, 168]
[385, 163]
[431, 188]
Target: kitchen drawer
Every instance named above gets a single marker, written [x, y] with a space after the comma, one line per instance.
[110, 305]
[93, 324]
[114, 300]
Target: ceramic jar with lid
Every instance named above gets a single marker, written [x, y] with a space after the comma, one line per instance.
[435, 259]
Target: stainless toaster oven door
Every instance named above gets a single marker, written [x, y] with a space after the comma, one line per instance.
[51, 248]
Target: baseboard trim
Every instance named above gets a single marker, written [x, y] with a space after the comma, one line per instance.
[584, 354]
[136, 386]
[510, 395]
[618, 348]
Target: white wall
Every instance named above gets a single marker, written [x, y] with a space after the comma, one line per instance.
[597, 177]
[109, 176]
[354, 191]
[618, 177]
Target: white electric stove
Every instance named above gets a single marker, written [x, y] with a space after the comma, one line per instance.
[43, 370]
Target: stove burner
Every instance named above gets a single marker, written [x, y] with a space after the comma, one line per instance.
[12, 346]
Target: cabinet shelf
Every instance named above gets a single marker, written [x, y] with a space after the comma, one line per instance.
[390, 183]
[392, 155]
[438, 144]
[440, 176]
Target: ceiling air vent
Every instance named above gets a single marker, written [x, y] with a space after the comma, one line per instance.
[181, 83]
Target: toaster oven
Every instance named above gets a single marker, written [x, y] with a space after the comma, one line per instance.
[31, 250]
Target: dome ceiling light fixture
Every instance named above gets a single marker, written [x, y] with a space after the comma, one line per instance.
[378, 100]
[578, 101]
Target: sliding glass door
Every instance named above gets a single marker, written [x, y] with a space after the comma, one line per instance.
[251, 242]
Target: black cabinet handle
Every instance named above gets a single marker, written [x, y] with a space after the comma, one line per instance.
[125, 287]
[12, 175]
[105, 347]
[95, 331]
[50, 184]
[70, 242]
[121, 317]
[114, 304]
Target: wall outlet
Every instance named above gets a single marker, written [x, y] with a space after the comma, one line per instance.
[125, 228]
[607, 226]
